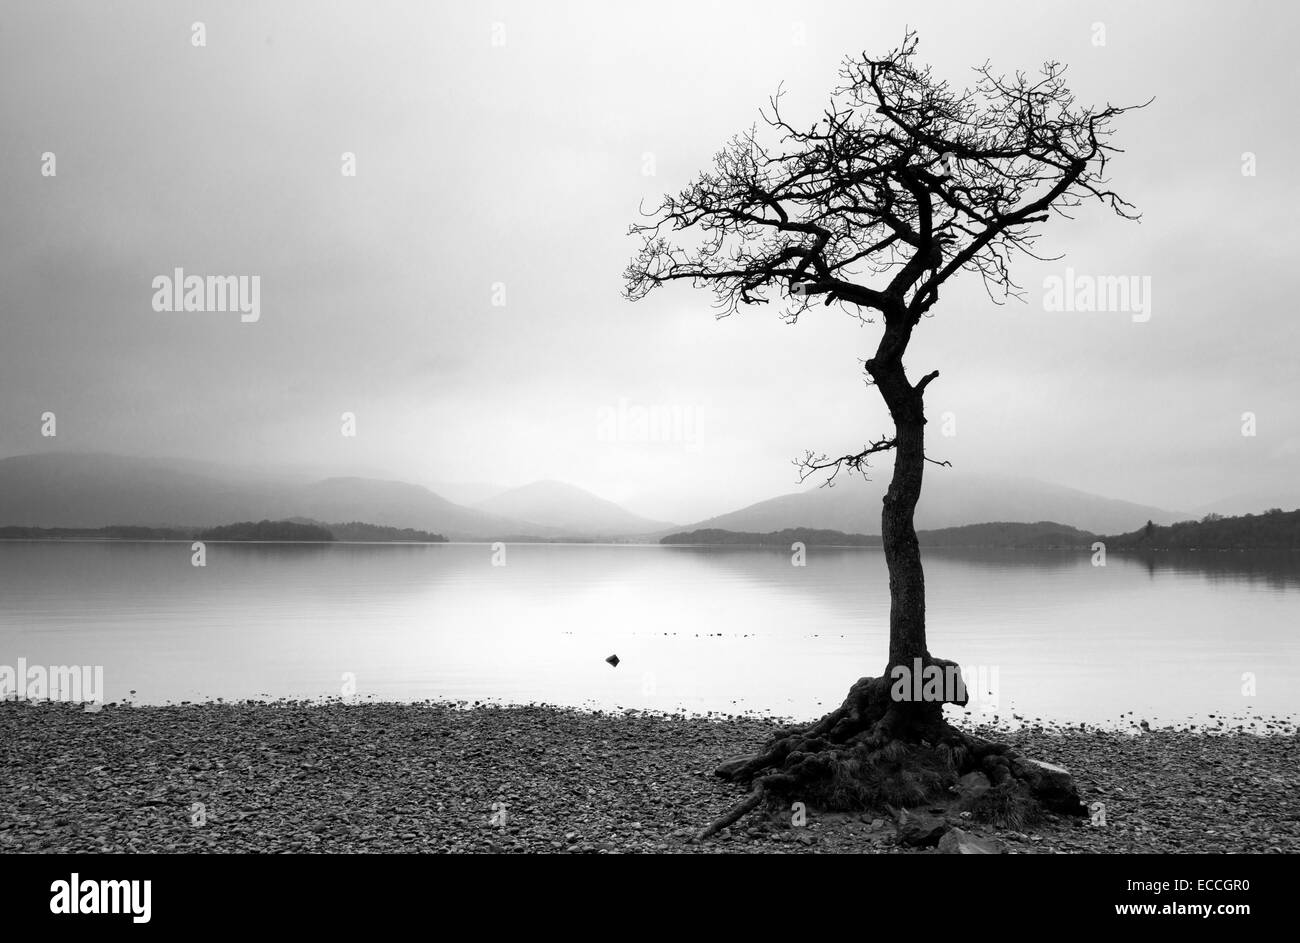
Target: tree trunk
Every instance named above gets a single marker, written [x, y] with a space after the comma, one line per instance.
[908, 652]
[897, 530]
[902, 552]
[879, 749]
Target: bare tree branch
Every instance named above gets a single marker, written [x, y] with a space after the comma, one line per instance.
[901, 183]
[811, 464]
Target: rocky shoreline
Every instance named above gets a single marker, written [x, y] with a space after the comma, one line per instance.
[440, 777]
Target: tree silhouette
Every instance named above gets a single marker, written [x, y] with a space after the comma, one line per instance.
[902, 183]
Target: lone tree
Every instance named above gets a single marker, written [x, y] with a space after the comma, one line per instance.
[902, 183]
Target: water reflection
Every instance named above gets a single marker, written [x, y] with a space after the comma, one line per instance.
[701, 629]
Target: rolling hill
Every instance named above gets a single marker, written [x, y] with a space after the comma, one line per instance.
[950, 499]
[97, 490]
[92, 490]
[398, 504]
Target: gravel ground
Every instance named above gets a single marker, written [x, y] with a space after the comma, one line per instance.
[334, 777]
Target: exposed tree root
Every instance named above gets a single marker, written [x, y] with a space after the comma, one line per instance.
[735, 813]
[874, 752]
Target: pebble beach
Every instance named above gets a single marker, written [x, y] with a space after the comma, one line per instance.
[428, 777]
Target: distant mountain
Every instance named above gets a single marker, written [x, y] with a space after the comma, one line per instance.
[467, 493]
[88, 490]
[1251, 502]
[62, 489]
[398, 504]
[94, 490]
[569, 510]
[950, 499]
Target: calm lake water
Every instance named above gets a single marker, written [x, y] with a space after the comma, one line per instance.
[1041, 634]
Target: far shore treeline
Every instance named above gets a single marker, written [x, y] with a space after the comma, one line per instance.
[290, 530]
[1273, 530]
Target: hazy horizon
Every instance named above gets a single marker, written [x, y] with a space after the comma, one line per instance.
[511, 172]
[98, 483]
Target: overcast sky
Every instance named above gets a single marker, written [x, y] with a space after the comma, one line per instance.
[509, 144]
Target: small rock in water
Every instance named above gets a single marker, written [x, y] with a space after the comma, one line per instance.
[613, 660]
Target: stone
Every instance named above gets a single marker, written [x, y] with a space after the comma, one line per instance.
[957, 842]
[1052, 785]
[972, 786]
[920, 829]
[613, 660]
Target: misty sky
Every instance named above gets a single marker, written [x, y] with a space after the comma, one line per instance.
[522, 165]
